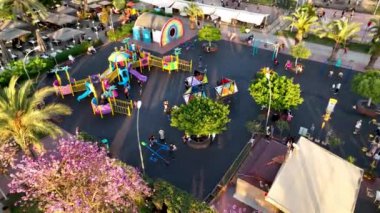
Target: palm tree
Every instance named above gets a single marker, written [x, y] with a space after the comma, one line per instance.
[340, 31]
[31, 11]
[375, 53]
[302, 20]
[193, 11]
[23, 116]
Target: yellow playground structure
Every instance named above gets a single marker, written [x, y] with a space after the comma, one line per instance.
[122, 64]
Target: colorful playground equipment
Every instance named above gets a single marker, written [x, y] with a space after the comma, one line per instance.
[71, 87]
[226, 87]
[195, 86]
[156, 153]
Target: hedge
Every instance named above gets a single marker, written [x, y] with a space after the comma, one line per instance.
[122, 32]
[37, 65]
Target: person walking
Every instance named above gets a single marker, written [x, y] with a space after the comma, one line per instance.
[161, 133]
[126, 93]
[337, 88]
[358, 125]
[172, 149]
[331, 73]
[166, 106]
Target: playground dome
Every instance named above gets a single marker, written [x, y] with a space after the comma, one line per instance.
[118, 57]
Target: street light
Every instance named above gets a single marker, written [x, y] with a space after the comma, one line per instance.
[111, 19]
[267, 75]
[139, 103]
[26, 56]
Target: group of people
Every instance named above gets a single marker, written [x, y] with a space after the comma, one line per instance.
[161, 136]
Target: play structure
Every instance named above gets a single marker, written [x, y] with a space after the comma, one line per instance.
[226, 88]
[70, 86]
[160, 29]
[195, 86]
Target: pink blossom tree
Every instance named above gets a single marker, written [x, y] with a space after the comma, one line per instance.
[78, 177]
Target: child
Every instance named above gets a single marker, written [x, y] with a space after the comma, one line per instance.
[288, 65]
[275, 61]
[358, 125]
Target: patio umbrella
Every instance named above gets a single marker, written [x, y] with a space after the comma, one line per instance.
[130, 4]
[40, 42]
[6, 55]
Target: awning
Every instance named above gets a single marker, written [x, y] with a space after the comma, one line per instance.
[226, 15]
[104, 3]
[207, 9]
[7, 24]
[65, 34]
[180, 5]
[251, 18]
[159, 3]
[66, 10]
[12, 33]
[60, 19]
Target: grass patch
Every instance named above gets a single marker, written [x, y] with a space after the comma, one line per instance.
[353, 46]
[120, 33]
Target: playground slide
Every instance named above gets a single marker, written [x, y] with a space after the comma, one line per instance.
[138, 75]
[84, 95]
[124, 80]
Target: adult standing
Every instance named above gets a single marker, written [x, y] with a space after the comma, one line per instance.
[161, 134]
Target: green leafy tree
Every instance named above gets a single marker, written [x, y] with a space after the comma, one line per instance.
[300, 51]
[194, 12]
[104, 16]
[24, 117]
[176, 200]
[367, 85]
[340, 31]
[282, 126]
[119, 4]
[284, 93]
[201, 117]
[209, 33]
[302, 19]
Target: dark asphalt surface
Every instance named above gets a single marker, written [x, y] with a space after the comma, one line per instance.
[198, 171]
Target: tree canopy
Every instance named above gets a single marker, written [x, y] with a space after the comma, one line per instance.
[367, 84]
[209, 33]
[78, 177]
[302, 19]
[285, 93]
[300, 51]
[24, 116]
[201, 117]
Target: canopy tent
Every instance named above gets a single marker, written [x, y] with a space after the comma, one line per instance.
[225, 14]
[314, 179]
[207, 9]
[7, 24]
[251, 18]
[104, 3]
[65, 34]
[194, 92]
[180, 5]
[60, 19]
[12, 33]
[226, 88]
[159, 3]
[66, 10]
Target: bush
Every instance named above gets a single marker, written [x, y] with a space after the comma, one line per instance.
[37, 66]
[176, 200]
[122, 32]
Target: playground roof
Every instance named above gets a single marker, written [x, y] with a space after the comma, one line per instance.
[314, 179]
[118, 57]
[151, 21]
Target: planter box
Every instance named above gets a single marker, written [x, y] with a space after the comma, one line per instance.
[361, 107]
[209, 49]
[200, 144]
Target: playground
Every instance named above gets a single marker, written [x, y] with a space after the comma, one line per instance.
[196, 171]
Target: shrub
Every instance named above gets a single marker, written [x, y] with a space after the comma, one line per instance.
[122, 32]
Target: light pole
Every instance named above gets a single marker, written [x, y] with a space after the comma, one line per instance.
[267, 75]
[24, 61]
[138, 135]
[111, 19]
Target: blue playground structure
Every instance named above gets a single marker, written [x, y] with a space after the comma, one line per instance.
[156, 153]
[124, 74]
[86, 93]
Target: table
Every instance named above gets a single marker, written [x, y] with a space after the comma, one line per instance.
[33, 42]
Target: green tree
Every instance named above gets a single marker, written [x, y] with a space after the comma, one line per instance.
[300, 51]
[302, 19]
[119, 4]
[340, 31]
[201, 117]
[23, 116]
[31, 11]
[104, 16]
[367, 85]
[194, 12]
[375, 53]
[284, 93]
[209, 33]
[282, 126]
[176, 200]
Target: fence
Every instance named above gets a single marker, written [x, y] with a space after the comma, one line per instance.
[230, 172]
[121, 107]
[80, 85]
[186, 66]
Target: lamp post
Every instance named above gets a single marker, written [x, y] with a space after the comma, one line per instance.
[111, 19]
[267, 75]
[24, 60]
[138, 135]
